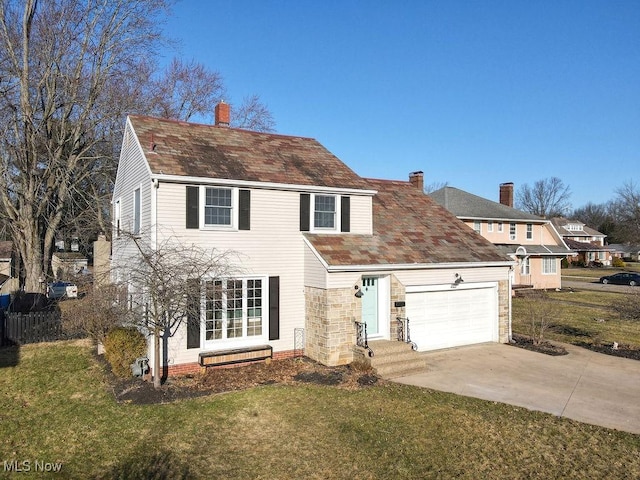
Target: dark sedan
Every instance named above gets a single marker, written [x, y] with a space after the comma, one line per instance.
[626, 278]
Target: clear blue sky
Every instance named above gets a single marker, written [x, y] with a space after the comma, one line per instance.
[475, 93]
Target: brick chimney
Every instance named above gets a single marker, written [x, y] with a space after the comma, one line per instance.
[506, 194]
[222, 114]
[417, 180]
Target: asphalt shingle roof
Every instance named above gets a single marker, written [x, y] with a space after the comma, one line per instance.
[188, 149]
[466, 205]
[561, 223]
[408, 228]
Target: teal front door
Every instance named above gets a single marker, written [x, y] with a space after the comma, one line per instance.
[370, 305]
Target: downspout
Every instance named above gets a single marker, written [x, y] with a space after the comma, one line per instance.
[510, 295]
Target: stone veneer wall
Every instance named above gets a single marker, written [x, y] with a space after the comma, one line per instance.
[504, 292]
[330, 331]
[398, 294]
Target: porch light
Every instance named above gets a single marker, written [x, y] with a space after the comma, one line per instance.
[458, 280]
[359, 292]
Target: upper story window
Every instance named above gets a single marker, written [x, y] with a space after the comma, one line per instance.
[218, 206]
[324, 214]
[512, 231]
[136, 211]
[529, 231]
[500, 227]
[477, 226]
[490, 226]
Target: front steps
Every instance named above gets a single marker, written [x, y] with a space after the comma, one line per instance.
[393, 359]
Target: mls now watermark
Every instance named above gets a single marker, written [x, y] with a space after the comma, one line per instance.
[31, 466]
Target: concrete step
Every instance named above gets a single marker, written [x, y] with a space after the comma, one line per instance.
[395, 359]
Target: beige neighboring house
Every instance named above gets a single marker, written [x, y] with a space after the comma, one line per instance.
[323, 251]
[8, 281]
[587, 243]
[68, 264]
[531, 241]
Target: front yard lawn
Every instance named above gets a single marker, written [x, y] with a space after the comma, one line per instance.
[56, 407]
[583, 317]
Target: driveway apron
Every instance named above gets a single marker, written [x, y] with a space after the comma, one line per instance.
[585, 386]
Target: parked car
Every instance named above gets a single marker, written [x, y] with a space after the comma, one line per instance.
[626, 278]
[62, 289]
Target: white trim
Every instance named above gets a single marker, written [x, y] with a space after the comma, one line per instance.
[505, 219]
[261, 185]
[414, 266]
[236, 342]
[234, 208]
[133, 216]
[447, 286]
[337, 214]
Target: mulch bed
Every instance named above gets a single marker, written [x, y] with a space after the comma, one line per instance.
[548, 348]
[545, 347]
[221, 380]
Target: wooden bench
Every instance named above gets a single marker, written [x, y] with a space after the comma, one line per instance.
[236, 355]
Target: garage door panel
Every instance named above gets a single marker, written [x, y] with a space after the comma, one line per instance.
[453, 317]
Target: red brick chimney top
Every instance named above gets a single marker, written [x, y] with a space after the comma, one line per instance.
[222, 114]
[417, 180]
[506, 194]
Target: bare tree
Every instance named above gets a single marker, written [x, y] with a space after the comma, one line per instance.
[626, 210]
[599, 216]
[546, 198]
[433, 186]
[59, 62]
[252, 114]
[70, 71]
[164, 284]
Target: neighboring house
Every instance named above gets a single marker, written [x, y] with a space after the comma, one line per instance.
[530, 240]
[321, 247]
[67, 264]
[8, 279]
[588, 244]
[625, 252]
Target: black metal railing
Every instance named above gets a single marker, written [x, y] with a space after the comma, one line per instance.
[361, 337]
[404, 335]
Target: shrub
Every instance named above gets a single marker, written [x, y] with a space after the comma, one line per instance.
[95, 314]
[122, 346]
[538, 314]
[564, 263]
[618, 262]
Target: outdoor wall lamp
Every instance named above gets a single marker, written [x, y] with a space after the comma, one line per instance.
[359, 292]
[458, 280]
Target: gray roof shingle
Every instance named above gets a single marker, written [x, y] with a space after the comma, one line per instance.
[466, 205]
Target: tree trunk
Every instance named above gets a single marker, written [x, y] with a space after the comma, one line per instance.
[157, 374]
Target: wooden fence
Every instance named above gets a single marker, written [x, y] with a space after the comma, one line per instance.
[21, 328]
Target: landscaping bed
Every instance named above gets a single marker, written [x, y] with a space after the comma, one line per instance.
[220, 380]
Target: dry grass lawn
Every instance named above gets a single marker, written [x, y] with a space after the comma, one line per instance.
[56, 406]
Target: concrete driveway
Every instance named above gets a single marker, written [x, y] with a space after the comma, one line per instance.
[586, 386]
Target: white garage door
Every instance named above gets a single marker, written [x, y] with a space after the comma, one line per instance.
[443, 317]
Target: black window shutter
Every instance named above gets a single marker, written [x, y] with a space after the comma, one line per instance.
[193, 314]
[305, 205]
[193, 204]
[345, 214]
[244, 219]
[274, 308]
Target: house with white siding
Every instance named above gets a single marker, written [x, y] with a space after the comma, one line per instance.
[325, 254]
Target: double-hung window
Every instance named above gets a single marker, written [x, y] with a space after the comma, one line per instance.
[549, 265]
[529, 231]
[218, 206]
[490, 226]
[512, 231]
[477, 226]
[234, 309]
[500, 227]
[324, 213]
